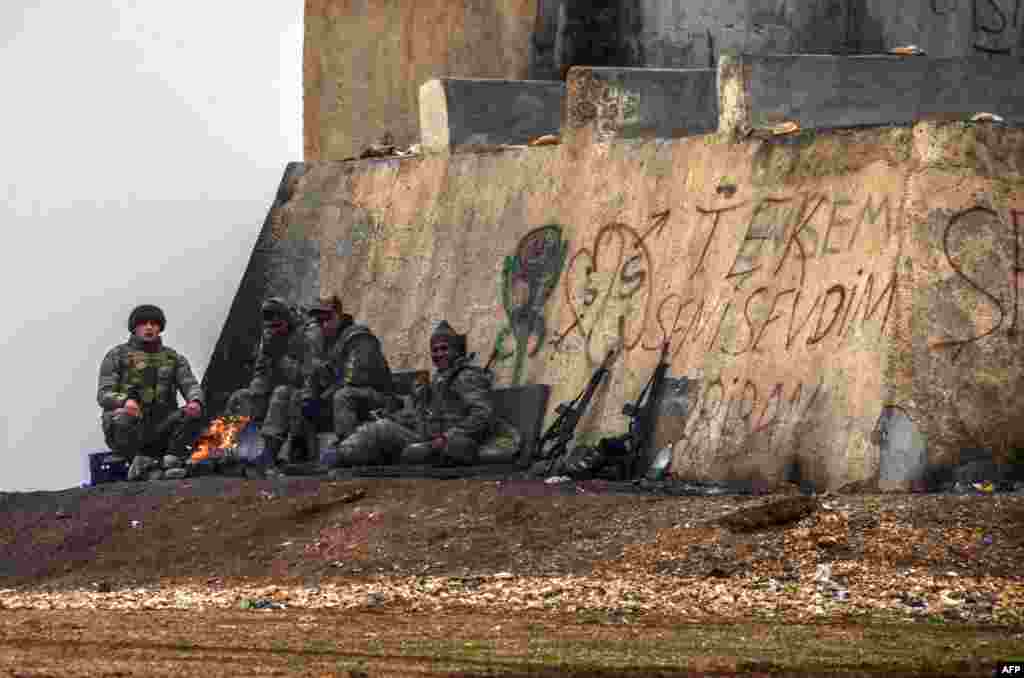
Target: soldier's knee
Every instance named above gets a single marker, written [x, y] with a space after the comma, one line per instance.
[282, 393]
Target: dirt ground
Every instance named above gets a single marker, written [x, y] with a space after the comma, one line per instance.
[302, 576]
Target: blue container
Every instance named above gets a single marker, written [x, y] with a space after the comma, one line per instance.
[106, 467]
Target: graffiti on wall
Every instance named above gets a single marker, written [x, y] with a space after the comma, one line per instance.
[734, 417]
[527, 281]
[610, 284]
[983, 251]
[993, 23]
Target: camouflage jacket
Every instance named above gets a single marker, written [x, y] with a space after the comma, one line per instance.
[153, 378]
[458, 401]
[278, 361]
[352, 358]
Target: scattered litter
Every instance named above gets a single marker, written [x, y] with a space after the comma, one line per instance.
[260, 604]
[788, 127]
[546, 140]
[987, 488]
[987, 117]
[136, 523]
[909, 50]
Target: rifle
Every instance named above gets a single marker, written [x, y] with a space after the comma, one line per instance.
[632, 448]
[555, 441]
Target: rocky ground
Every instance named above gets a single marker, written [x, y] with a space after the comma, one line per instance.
[423, 563]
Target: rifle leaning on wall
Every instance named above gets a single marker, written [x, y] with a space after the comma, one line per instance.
[555, 441]
[628, 455]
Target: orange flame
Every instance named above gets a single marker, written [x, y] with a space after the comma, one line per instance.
[220, 436]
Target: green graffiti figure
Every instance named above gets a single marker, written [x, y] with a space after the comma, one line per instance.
[527, 280]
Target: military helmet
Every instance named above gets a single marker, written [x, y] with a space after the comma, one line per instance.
[144, 312]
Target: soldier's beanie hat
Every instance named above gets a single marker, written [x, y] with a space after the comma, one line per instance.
[445, 331]
[146, 312]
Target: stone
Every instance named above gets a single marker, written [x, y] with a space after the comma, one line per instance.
[523, 407]
[457, 113]
[156, 474]
[772, 514]
[978, 471]
[635, 103]
[172, 461]
[175, 473]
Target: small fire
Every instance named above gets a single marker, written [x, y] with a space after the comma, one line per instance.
[220, 436]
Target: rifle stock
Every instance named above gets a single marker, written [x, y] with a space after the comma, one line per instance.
[557, 437]
[642, 415]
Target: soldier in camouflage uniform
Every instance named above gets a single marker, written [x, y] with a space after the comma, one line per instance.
[138, 386]
[348, 376]
[448, 421]
[273, 396]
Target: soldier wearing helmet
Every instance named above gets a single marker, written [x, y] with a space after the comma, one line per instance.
[139, 383]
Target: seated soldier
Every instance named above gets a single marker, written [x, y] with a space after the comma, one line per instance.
[139, 383]
[272, 397]
[348, 376]
[449, 420]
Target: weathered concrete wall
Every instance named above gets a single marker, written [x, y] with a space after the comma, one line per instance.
[365, 61]
[808, 286]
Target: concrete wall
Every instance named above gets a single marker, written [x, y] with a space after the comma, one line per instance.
[817, 290]
[365, 61]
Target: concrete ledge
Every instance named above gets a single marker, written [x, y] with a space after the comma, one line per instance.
[457, 113]
[821, 91]
[632, 103]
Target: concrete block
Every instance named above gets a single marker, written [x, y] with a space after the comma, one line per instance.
[523, 407]
[968, 85]
[633, 103]
[821, 91]
[902, 448]
[458, 113]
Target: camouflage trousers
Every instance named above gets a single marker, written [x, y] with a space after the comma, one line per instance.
[130, 436]
[387, 442]
[280, 410]
[352, 405]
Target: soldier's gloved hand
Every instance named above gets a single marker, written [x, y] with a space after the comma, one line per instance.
[130, 407]
[193, 409]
